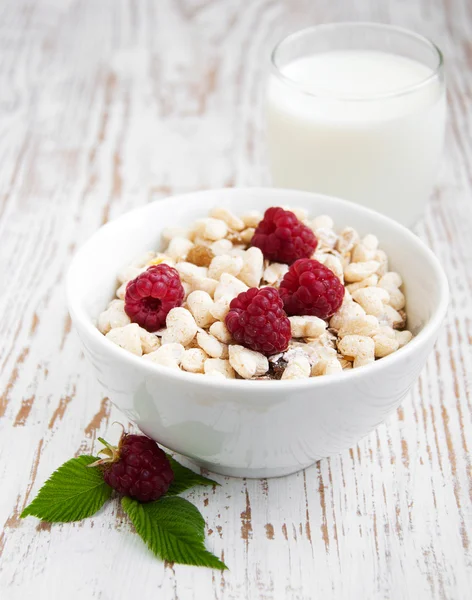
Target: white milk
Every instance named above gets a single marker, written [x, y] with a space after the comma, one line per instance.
[382, 152]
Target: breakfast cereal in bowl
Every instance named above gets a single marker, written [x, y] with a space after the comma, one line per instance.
[281, 295]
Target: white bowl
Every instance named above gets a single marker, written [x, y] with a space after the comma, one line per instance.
[252, 428]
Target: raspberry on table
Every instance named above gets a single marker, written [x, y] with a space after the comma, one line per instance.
[257, 320]
[152, 295]
[282, 237]
[138, 468]
[310, 288]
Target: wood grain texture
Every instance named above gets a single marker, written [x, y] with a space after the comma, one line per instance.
[108, 104]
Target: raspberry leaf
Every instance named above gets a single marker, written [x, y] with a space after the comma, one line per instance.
[173, 529]
[72, 493]
[185, 478]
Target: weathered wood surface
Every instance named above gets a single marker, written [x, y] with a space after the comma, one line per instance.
[108, 104]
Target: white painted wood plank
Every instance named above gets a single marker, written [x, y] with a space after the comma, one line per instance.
[107, 105]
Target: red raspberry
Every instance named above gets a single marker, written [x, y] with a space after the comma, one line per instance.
[152, 295]
[310, 288]
[138, 468]
[282, 237]
[257, 320]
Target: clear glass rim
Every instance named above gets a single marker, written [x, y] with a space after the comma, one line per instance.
[319, 91]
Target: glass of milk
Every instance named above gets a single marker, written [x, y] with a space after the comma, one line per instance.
[358, 110]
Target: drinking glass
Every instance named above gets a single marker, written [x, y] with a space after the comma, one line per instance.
[357, 111]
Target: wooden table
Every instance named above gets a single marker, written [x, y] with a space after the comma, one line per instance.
[108, 104]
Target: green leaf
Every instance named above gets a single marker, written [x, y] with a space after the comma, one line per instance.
[173, 529]
[185, 478]
[72, 493]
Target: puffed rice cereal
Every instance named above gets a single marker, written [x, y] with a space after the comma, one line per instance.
[215, 262]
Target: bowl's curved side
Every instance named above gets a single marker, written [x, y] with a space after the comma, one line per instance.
[269, 430]
[240, 427]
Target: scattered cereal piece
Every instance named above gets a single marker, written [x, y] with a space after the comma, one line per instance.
[127, 337]
[327, 366]
[298, 368]
[198, 240]
[360, 270]
[221, 366]
[178, 248]
[393, 318]
[247, 235]
[347, 239]
[220, 331]
[224, 263]
[129, 273]
[370, 242]
[370, 281]
[149, 341]
[349, 309]
[200, 304]
[345, 364]
[327, 238]
[225, 215]
[403, 337]
[332, 367]
[392, 282]
[229, 286]
[193, 360]
[322, 345]
[238, 250]
[334, 264]
[220, 307]
[274, 273]
[384, 345]
[213, 347]
[121, 291]
[114, 316]
[211, 229]
[169, 355]
[299, 212]
[252, 218]
[364, 325]
[382, 259]
[247, 363]
[307, 326]
[221, 247]
[189, 272]
[359, 347]
[180, 327]
[253, 266]
[317, 350]
[187, 288]
[387, 330]
[365, 250]
[205, 284]
[372, 300]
